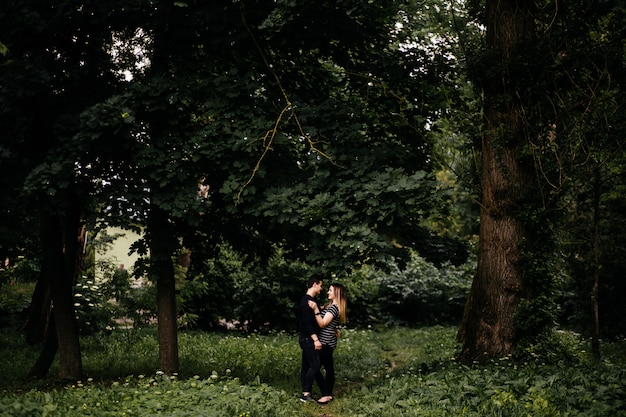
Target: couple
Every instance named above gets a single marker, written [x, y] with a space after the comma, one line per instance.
[318, 335]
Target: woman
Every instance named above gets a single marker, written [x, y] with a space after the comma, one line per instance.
[328, 318]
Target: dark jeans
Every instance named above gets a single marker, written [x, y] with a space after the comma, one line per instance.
[326, 358]
[311, 364]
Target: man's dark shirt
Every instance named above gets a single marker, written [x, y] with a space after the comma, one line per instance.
[307, 325]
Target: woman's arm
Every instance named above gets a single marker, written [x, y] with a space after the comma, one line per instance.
[322, 321]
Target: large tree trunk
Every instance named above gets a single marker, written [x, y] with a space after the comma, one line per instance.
[488, 328]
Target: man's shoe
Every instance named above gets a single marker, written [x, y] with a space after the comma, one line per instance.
[306, 398]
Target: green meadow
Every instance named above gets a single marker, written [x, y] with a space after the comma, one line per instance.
[380, 372]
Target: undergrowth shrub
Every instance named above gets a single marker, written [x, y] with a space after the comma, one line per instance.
[262, 295]
[156, 394]
[14, 302]
[101, 303]
[421, 293]
[243, 292]
[23, 270]
[268, 296]
[554, 347]
[135, 351]
[502, 388]
[93, 311]
[209, 288]
[239, 355]
[362, 289]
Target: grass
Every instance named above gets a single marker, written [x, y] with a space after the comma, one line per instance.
[383, 372]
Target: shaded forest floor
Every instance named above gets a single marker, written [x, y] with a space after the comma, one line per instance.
[400, 371]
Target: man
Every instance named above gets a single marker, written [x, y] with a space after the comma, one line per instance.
[309, 341]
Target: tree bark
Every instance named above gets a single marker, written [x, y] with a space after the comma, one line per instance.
[63, 247]
[39, 314]
[52, 318]
[48, 352]
[167, 325]
[162, 244]
[488, 328]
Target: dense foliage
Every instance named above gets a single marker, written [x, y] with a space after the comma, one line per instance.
[259, 296]
[583, 154]
[412, 292]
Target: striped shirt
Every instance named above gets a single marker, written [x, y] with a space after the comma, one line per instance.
[327, 335]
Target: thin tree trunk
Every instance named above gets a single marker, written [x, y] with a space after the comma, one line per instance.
[65, 247]
[162, 246]
[595, 334]
[67, 330]
[168, 327]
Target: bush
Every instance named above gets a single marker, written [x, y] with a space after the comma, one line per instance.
[553, 347]
[421, 293]
[14, 300]
[243, 292]
[94, 313]
[362, 288]
[22, 271]
[101, 303]
[266, 294]
[208, 291]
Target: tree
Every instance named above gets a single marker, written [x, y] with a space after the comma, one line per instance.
[542, 132]
[507, 186]
[56, 64]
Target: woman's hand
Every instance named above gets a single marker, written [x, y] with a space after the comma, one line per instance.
[313, 305]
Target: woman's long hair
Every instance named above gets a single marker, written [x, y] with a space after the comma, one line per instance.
[341, 298]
